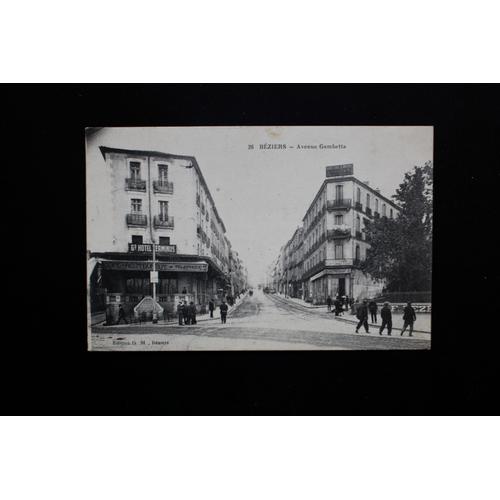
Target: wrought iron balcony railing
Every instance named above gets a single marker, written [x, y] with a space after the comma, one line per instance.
[137, 220]
[368, 211]
[163, 187]
[338, 204]
[163, 221]
[135, 185]
[337, 234]
[359, 206]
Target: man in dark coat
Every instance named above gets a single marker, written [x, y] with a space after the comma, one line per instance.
[386, 315]
[185, 310]
[338, 306]
[362, 316]
[372, 307]
[329, 304]
[192, 313]
[211, 307]
[180, 312]
[409, 318]
[223, 312]
[121, 315]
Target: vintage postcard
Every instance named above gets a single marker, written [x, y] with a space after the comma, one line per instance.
[259, 238]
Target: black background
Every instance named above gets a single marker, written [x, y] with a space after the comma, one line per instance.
[54, 373]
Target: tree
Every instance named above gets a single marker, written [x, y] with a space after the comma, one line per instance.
[401, 248]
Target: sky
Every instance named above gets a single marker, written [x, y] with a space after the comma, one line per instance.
[263, 194]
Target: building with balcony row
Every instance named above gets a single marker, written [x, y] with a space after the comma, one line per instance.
[324, 254]
[140, 198]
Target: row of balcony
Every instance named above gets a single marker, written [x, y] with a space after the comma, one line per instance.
[159, 221]
[163, 187]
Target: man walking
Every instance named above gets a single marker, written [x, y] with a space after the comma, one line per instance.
[362, 315]
[185, 311]
[409, 318]
[211, 307]
[121, 315]
[223, 312]
[386, 315]
[180, 312]
[329, 304]
[372, 306]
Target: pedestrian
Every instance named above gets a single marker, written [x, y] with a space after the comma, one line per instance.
[338, 306]
[362, 315]
[409, 318]
[211, 307]
[180, 312]
[329, 304]
[372, 306]
[347, 302]
[121, 315]
[386, 315]
[192, 315]
[223, 312]
[185, 311]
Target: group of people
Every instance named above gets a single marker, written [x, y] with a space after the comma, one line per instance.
[186, 313]
[341, 303]
[409, 317]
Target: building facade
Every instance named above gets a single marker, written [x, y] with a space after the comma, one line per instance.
[323, 256]
[145, 198]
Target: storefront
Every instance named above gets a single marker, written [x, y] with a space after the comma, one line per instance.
[125, 280]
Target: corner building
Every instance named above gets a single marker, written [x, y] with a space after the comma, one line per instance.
[146, 198]
[334, 241]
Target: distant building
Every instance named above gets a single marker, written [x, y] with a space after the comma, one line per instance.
[323, 256]
[137, 198]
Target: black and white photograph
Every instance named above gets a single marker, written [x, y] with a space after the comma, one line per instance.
[259, 238]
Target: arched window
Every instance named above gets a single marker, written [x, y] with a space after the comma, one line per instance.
[367, 200]
[358, 253]
[358, 224]
[390, 213]
[358, 195]
[376, 204]
[383, 210]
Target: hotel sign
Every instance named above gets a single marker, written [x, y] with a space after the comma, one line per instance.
[340, 170]
[148, 248]
[127, 265]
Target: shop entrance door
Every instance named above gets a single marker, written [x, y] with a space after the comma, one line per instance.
[342, 286]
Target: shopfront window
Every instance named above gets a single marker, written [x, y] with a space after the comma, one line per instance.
[140, 286]
[168, 286]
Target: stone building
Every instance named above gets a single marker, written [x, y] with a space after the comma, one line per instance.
[323, 257]
[140, 198]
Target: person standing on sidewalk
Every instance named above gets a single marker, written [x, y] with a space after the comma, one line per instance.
[121, 315]
[329, 304]
[386, 315]
[409, 317]
[211, 307]
[223, 312]
[180, 312]
[372, 306]
[185, 312]
[362, 315]
[192, 311]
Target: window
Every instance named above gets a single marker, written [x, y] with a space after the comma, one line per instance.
[358, 195]
[137, 239]
[339, 220]
[168, 286]
[136, 205]
[339, 251]
[367, 200]
[135, 170]
[164, 240]
[358, 254]
[383, 210]
[358, 224]
[163, 173]
[390, 213]
[376, 204]
[163, 210]
[140, 286]
[339, 192]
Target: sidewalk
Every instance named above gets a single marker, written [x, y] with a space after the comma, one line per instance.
[99, 319]
[422, 325]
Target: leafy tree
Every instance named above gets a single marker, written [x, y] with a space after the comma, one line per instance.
[401, 248]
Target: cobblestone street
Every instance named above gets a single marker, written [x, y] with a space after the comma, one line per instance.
[258, 322]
